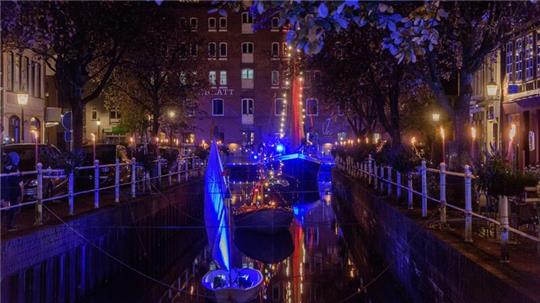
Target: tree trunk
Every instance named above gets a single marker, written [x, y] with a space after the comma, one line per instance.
[155, 125]
[71, 93]
[461, 117]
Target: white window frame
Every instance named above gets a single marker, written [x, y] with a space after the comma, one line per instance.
[510, 61]
[222, 28]
[221, 56]
[247, 23]
[529, 57]
[222, 107]
[274, 27]
[246, 18]
[247, 44]
[212, 28]
[210, 56]
[223, 81]
[282, 105]
[248, 106]
[116, 112]
[538, 54]
[194, 24]
[193, 46]
[212, 78]
[274, 78]
[246, 72]
[307, 107]
[276, 53]
[519, 60]
[94, 114]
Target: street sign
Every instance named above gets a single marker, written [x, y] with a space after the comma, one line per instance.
[67, 136]
[66, 121]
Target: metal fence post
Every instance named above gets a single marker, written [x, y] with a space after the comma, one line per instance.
[381, 184]
[442, 192]
[169, 173]
[375, 178]
[117, 181]
[39, 204]
[71, 185]
[424, 188]
[370, 168]
[133, 177]
[503, 217]
[398, 184]
[409, 191]
[159, 169]
[389, 178]
[178, 169]
[468, 205]
[186, 168]
[96, 184]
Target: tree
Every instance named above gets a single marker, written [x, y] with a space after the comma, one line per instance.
[471, 31]
[82, 42]
[163, 72]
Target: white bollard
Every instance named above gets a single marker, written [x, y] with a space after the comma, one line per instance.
[39, 204]
[398, 184]
[409, 191]
[389, 179]
[117, 181]
[468, 204]
[71, 185]
[442, 191]
[503, 218]
[96, 183]
[424, 188]
[133, 177]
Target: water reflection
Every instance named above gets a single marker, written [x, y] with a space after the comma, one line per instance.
[313, 262]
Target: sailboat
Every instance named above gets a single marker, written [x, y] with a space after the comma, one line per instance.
[228, 284]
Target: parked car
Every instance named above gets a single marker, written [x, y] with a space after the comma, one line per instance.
[106, 154]
[51, 157]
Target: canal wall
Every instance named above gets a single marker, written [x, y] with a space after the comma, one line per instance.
[429, 268]
[68, 262]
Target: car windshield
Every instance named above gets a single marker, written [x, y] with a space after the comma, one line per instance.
[27, 156]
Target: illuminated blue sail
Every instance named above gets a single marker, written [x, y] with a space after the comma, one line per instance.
[216, 213]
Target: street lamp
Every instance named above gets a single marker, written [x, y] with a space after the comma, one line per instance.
[93, 146]
[22, 100]
[443, 147]
[473, 140]
[172, 113]
[491, 89]
[436, 117]
[98, 123]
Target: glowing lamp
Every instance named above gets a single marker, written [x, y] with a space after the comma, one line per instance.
[435, 117]
[280, 148]
[512, 134]
[22, 99]
[93, 137]
[413, 141]
[473, 133]
[491, 89]
[441, 129]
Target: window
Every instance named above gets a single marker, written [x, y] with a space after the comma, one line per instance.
[279, 107]
[114, 114]
[246, 18]
[316, 76]
[223, 78]
[35, 124]
[519, 59]
[529, 57]
[183, 50]
[275, 24]
[212, 78]
[247, 48]
[312, 107]
[275, 78]
[212, 24]
[9, 71]
[247, 106]
[194, 23]
[217, 107]
[94, 113]
[183, 78]
[24, 74]
[212, 51]
[38, 81]
[193, 49]
[247, 74]
[16, 72]
[538, 54]
[247, 78]
[223, 49]
[247, 23]
[222, 24]
[275, 49]
[183, 23]
[509, 61]
[14, 130]
[247, 52]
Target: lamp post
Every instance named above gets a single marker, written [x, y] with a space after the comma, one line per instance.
[22, 100]
[435, 117]
[473, 141]
[93, 146]
[98, 123]
[36, 151]
[442, 144]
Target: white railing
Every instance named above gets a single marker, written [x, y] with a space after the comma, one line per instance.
[375, 175]
[140, 181]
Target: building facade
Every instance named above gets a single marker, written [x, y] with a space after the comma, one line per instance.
[250, 74]
[521, 96]
[23, 97]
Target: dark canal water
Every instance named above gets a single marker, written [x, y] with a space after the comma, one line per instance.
[320, 259]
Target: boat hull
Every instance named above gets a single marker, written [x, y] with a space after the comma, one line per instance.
[266, 220]
[233, 293]
[306, 171]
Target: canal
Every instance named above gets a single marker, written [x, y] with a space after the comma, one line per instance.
[322, 258]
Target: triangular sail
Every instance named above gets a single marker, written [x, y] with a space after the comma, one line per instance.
[216, 213]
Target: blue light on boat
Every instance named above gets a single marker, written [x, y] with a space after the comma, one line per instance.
[280, 148]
